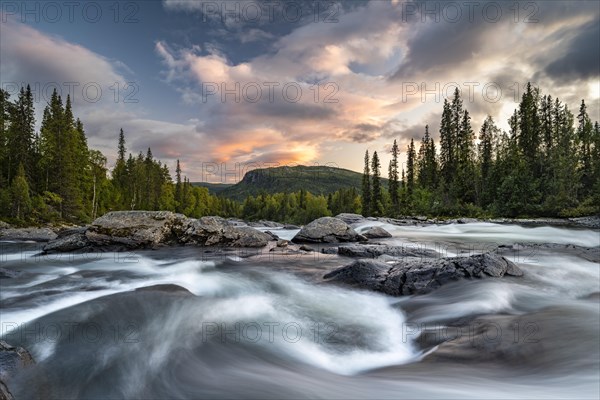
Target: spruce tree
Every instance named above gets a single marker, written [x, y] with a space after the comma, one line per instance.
[410, 169]
[393, 178]
[585, 131]
[366, 187]
[178, 189]
[377, 195]
[487, 138]
[21, 134]
[19, 189]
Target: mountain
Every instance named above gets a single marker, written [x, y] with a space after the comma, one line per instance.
[314, 179]
[213, 188]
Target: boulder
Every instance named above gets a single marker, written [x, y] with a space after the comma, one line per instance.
[135, 229]
[553, 338]
[421, 276]
[378, 250]
[12, 361]
[376, 232]
[68, 240]
[350, 218]
[149, 229]
[33, 234]
[250, 237]
[327, 230]
[216, 231]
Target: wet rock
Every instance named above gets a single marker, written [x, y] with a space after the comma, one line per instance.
[150, 229]
[418, 276]
[378, 250]
[12, 361]
[589, 222]
[306, 248]
[291, 227]
[165, 288]
[376, 232]
[550, 338]
[327, 230]
[33, 234]
[282, 243]
[216, 231]
[68, 240]
[350, 218]
[135, 229]
[8, 273]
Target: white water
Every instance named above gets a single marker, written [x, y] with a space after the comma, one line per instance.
[370, 329]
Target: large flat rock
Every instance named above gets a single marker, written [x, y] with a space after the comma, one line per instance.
[421, 276]
[327, 230]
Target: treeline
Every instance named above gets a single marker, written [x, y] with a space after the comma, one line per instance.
[52, 175]
[548, 164]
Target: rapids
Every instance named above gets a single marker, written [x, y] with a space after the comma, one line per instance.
[264, 326]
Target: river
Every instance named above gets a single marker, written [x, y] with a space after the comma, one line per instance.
[264, 325]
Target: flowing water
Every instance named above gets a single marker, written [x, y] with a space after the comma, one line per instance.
[265, 326]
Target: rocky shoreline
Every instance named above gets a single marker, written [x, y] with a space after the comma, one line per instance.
[49, 233]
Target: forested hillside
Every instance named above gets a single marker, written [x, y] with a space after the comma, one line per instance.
[548, 164]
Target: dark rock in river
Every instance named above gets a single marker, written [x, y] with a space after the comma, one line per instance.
[12, 361]
[165, 288]
[216, 231]
[419, 277]
[69, 240]
[377, 250]
[327, 230]
[7, 273]
[376, 232]
[550, 338]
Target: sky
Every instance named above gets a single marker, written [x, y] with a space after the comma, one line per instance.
[227, 86]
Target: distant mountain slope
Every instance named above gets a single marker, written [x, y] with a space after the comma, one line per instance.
[317, 180]
[213, 188]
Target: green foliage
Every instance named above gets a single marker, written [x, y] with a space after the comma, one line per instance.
[548, 164]
[19, 192]
[366, 187]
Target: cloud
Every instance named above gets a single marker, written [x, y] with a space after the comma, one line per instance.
[29, 56]
[581, 58]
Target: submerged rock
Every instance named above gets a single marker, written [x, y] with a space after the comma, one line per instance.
[12, 361]
[327, 230]
[418, 276]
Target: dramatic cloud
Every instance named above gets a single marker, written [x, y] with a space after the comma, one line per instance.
[324, 87]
